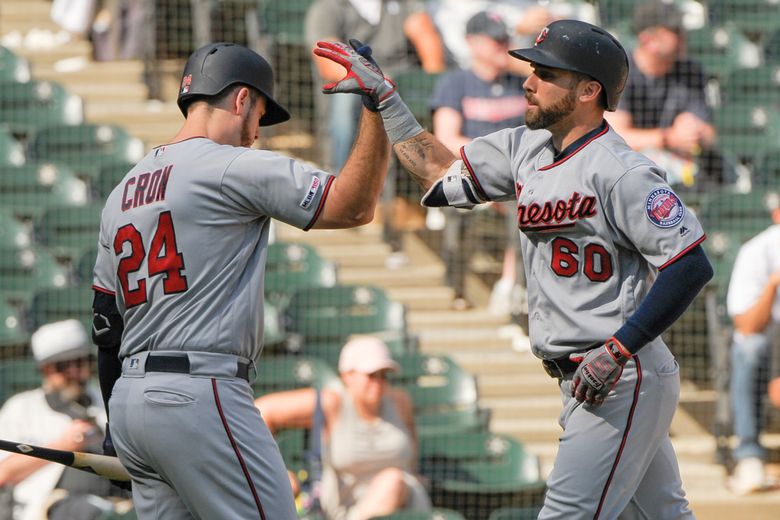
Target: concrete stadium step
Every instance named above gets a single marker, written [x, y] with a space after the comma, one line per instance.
[107, 92]
[154, 134]
[514, 386]
[416, 275]
[131, 71]
[499, 362]
[133, 113]
[23, 26]
[348, 256]
[363, 236]
[48, 55]
[514, 407]
[448, 340]
[24, 9]
[472, 318]
[423, 298]
[542, 430]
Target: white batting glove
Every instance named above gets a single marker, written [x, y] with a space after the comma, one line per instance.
[598, 372]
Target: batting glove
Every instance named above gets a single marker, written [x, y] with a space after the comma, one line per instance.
[598, 372]
[363, 76]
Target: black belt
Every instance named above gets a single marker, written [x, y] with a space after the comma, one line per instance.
[560, 367]
[181, 365]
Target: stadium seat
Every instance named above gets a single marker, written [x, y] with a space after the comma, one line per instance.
[435, 514]
[109, 176]
[13, 234]
[29, 190]
[766, 171]
[85, 265]
[745, 213]
[23, 271]
[277, 373]
[290, 267]
[760, 85]
[11, 150]
[750, 16]
[25, 107]
[63, 303]
[722, 248]
[322, 313]
[515, 513]
[479, 472]
[13, 67]
[284, 20]
[747, 130]
[69, 231]
[86, 147]
[721, 49]
[18, 375]
[770, 47]
[416, 87]
[13, 334]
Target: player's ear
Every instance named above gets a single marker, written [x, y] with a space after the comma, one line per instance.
[243, 100]
[590, 90]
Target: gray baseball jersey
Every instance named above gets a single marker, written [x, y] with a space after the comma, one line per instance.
[183, 243]
[597, 222]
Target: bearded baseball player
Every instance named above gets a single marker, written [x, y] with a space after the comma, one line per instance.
[612, 259]
[179, 289]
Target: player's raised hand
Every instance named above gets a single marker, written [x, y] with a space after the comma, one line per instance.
[598, 372]
[363, 75]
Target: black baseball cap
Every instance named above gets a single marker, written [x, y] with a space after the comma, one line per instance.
[489, 24]
[657, 13]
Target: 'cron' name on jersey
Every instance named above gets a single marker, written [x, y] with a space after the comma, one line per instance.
[552, 213]
[145, 188]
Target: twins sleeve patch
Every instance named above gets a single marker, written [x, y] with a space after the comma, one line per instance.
[664, 208]
[314, 187]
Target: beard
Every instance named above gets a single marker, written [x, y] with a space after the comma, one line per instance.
[547, 117]
[247, 135]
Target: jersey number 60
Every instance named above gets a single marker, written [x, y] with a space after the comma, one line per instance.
[598, 262]
[169, 263]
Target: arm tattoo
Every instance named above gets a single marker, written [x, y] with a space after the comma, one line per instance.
[424, 158]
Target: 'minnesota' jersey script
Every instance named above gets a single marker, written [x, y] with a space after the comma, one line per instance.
[597, 222]
[183, 243]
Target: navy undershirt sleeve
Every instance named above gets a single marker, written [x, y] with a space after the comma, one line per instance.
[674, 289]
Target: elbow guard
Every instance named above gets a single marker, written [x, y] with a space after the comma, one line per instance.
[107, 323]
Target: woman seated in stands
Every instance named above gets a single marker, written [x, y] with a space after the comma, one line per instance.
[369, 444]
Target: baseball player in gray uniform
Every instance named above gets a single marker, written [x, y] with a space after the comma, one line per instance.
[178, 286]
[612, 259]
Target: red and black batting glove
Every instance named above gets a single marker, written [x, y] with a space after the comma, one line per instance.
[599, 371]
[363, 77]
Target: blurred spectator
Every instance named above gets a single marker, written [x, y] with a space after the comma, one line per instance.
[65, 413]
[663, 112]
[754, 305]
[369, 444]
[119, 30]
[472, 103]
[389, 27]
[774, 392]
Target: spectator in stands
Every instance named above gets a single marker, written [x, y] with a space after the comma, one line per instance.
[754, 305]
[471, 103]
[388, 26]
[663, 111]
[369, 452]
[66, 413]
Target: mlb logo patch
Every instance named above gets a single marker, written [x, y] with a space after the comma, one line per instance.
[186, 81]
[664, 208]
[134, 363]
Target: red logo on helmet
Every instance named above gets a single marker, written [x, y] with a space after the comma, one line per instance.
[542, 36]
[186, 81]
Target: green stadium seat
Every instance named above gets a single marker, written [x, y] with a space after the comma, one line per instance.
[11, 150]
[23, 271]
[13, 334]
[291, 267]
[750, 16]
[722, 248]
[85, 266]
[770, 48]
[63, 303]
[322, 313]
[721, 49]
[69, 231]
[515, 513]
[13, 234]
[109, 177]
[766, 172]
[273, 326]
[479, 472]
[13, 67]
[86, 147]
[760, 85]
[18, 375]
[284, 20]
[435, 514]
[25, 107]
[30, 189]
[416, 87]
[743, 214]
[278, 373]
[747, 130]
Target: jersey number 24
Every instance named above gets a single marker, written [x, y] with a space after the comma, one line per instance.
[164, 258]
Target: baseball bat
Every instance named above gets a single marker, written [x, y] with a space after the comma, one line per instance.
[101, 465]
